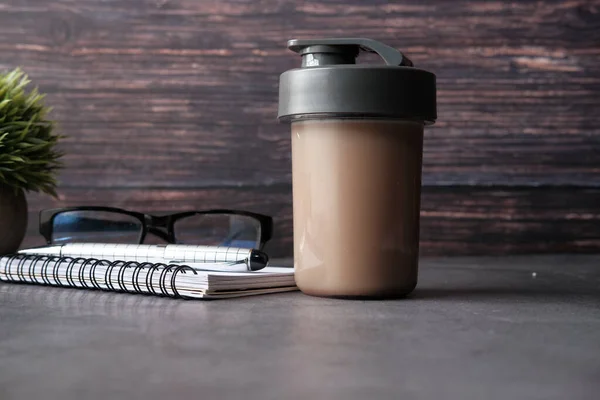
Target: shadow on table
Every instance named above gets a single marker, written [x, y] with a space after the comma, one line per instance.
[80, 302]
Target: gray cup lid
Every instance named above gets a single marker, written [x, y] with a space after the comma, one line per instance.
[330, 83]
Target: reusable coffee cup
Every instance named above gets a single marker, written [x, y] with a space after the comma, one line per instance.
[357, 146]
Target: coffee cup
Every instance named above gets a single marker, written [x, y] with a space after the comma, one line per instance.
[357, 146]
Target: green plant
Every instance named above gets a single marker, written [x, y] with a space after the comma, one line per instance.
[28, 158]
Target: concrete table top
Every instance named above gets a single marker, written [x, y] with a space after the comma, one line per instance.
[476, 328]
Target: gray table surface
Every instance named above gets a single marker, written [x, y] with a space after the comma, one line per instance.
[476, 328]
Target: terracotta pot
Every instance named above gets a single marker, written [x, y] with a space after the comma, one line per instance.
[13, 219]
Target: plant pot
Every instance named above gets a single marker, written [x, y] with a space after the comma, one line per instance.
[13, 219]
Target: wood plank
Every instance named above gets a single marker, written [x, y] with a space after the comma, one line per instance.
[167, 93]
[197, 155]
[510, 220]
[455, 220]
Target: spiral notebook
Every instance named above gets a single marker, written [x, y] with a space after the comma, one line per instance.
[173, 280]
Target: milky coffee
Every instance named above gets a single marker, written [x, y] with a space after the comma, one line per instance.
[356, 189]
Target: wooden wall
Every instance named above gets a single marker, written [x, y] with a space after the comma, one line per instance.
[171, 105]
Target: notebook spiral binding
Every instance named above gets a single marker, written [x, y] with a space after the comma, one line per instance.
[46, 267]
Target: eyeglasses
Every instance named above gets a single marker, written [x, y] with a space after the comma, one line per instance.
[231, 228]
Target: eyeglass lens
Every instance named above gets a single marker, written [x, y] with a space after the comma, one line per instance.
[95, 226]
[218, 229]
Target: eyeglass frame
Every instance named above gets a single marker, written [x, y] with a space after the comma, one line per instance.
[154, 223]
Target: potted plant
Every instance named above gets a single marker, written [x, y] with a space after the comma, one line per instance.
[28, 158]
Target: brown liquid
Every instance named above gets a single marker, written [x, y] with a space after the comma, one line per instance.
[356, 187]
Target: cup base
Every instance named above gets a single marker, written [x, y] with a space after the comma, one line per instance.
[396, 294]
